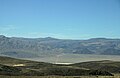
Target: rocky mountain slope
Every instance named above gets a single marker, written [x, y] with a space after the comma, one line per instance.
[33, 47]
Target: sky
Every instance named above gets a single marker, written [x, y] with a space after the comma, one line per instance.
[64, 19]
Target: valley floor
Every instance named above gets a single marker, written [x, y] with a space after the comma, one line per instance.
[73, 58]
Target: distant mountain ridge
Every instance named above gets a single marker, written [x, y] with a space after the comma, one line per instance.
[33, 47]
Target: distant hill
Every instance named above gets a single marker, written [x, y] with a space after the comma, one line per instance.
[34, 47]
[16, 67]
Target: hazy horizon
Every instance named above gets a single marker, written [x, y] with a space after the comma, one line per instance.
[60, 38]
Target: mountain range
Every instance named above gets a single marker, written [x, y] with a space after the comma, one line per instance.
[33, 47]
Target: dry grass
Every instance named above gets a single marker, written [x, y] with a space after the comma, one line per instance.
[59, 76]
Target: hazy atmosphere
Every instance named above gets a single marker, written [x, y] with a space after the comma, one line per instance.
[59, 38]
[66, 19]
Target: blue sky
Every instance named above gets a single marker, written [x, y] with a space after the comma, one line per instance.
[66, 19]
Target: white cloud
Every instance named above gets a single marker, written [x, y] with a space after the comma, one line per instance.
[7, 28]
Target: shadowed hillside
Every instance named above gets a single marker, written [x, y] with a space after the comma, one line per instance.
[10, 66]
[106, 65]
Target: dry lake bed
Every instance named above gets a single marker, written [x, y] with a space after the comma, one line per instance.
[74, 58]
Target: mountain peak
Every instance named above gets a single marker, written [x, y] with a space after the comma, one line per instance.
[50, 38]
[2, 36]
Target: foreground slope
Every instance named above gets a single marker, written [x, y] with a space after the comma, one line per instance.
[16, 67]
[105, 65]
